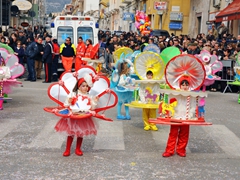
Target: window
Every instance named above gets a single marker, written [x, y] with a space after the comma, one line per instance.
[85, 33]
[216, 3]
[63, 33]
[238, 26]
[5, 13]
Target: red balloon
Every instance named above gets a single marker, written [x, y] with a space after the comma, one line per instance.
[146, 19]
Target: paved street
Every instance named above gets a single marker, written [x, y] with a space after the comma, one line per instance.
[30, 149]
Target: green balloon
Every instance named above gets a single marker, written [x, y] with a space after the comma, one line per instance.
[168, 53]
[164, 86]
[8, 48]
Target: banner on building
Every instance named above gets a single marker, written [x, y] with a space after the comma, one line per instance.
[160, 5]
[176, 16]
[175, 25]
[128, 16]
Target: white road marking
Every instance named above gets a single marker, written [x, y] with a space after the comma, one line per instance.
[161, 137]
[226, 139]
[8, 125]
[110, 136]
[47, 138]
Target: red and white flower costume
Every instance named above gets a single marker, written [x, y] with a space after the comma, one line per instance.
[75, 127]
[77, 115]
[182, 68]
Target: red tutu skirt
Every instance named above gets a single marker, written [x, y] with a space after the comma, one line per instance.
[79, 128]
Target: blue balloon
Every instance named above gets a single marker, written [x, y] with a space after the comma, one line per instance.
[142, 21]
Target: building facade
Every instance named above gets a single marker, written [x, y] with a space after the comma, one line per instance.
[78, 7]
[217, 6]
[5, 13]
[199, 17]
[34, 15]
[170, 15]
[86, 8]
[68, 9]
[177, 16]
[103, 14]
[120, 15]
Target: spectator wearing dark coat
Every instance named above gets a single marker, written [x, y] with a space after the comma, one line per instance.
[109, 45]
[29, 34]
[31, 51]
[193, 49]
[21, 37]
[222, 29]
[47, 59]
[38, 58]
[219, 51]
[19, 52]
[102, 41]
[109, 50]
[13, 41]
[28, 41]
[56, 49]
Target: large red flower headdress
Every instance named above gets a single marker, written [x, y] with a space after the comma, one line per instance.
[183, 66]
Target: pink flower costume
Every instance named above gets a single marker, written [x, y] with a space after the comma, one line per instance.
[10, 69]
[211, 65]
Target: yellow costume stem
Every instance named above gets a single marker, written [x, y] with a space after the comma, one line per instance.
[147, 114]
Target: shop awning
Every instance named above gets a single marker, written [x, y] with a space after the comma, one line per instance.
[231, 12]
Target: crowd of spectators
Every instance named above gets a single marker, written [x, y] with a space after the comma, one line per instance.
[25, 35]
[224, 45]
[29, 45]
[218, 42]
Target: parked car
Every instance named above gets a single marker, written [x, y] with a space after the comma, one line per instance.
[118, 33]
[159, 32]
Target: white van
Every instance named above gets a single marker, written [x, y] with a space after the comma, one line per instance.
[74, 27]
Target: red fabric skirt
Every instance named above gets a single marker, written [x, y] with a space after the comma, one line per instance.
[79, 128]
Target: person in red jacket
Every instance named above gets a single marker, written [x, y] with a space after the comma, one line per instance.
[179, 134]
[89, 48]
[81, 48]
[56, 50]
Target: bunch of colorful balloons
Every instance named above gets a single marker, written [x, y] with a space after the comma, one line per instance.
[142, 23]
